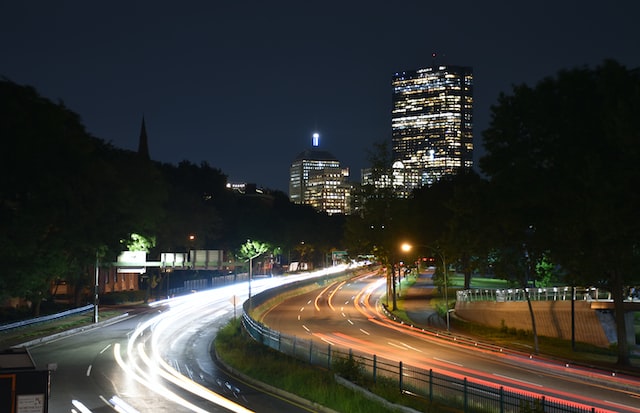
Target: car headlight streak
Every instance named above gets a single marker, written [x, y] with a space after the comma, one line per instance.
[154, 372]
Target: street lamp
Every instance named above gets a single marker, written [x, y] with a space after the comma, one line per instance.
[96, 289]
[257, 254]
[407, 247]
[250, 275]
[251, 250]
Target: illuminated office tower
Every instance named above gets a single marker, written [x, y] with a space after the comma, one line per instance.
[431, 125]
[316, 178]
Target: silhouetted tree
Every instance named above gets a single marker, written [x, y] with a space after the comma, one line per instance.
[562, 157]
[64, 195]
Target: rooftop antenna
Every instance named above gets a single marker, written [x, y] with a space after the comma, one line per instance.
[434, 55]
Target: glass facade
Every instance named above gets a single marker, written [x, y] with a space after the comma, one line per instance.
[316, 178]
[431, 123]
[328, 190]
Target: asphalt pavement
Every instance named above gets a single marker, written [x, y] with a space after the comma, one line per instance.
[417, 302]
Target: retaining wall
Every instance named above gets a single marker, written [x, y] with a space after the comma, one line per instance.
[553, 318]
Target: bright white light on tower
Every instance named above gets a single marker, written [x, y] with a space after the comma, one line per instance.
[316, 139]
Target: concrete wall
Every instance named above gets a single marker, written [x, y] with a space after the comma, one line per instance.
[553, 318]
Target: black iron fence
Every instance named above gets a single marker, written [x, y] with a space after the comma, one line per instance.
[462, 393]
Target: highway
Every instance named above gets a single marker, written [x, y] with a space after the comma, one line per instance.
[157, 360]
[348, 315]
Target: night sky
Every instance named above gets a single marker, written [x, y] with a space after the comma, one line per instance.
[242, 85]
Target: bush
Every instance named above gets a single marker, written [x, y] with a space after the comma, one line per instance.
[11, 314]
[349, 368]
[122, 297]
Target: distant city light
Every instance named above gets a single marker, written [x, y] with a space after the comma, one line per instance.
[316, 139]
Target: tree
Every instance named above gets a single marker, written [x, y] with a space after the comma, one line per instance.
[562, 157]
[372, 229]
[48, 192]
[64, 195]
[468, 224]
[252, 249]
[193, 193]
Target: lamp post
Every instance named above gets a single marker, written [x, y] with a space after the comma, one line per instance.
[407, 247]
[250, 274]
[257, 254]
[95, 297]
[393, 287]
[251, 250]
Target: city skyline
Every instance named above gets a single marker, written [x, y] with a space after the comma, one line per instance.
[243, 86]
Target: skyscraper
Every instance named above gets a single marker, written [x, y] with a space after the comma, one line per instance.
[316, 178]
[431, 125]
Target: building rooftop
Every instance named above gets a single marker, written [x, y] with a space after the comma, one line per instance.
[315, 155]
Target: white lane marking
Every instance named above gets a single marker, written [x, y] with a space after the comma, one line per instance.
[350, 322]
[343, 314]
[626, 406]
[301, 309]
[518, 380]
[105, 401]
[412, 348]
[309, 302]
[305, 327]
[298, 317]
[365, 332]
[326, 341]
[448, 361]
[89, 371]
[398, 346]
[105, 349]
[80, 406]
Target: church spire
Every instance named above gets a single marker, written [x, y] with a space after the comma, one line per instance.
[143, 145]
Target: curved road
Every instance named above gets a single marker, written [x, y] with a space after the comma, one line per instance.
[347, 315]
[157, 360]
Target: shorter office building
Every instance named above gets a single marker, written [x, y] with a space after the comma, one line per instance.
[316, 178]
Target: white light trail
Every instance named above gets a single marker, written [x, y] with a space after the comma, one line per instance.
[152, 370]
[121, 406]
[81, 407]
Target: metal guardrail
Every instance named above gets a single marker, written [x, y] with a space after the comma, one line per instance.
[43, 319]
[535, 294]
[462, 393]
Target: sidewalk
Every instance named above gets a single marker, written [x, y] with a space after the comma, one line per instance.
[417, 302]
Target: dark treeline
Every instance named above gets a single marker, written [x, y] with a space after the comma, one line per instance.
[68, 198]
[557, 198]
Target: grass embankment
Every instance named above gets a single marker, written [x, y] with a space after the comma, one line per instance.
[311, 383]
[48, 328]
